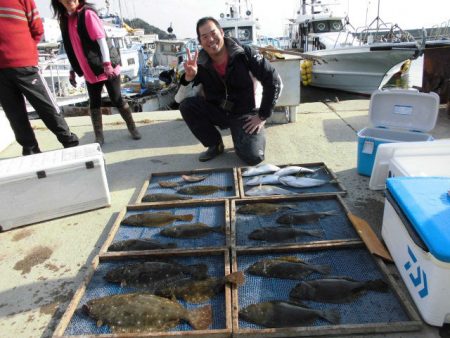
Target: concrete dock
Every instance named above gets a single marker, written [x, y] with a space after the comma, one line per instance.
[41, 265]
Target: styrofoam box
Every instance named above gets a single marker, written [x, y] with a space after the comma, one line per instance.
[396, 116]
[415, 230]
[420, 166]
[52, 184]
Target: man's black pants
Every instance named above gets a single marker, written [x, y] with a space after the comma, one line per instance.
[15, 83]
[202, 118]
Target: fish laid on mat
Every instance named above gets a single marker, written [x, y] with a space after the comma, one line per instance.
[302, 182]
[286, 268]
[263, 208]
[143, 312]
[281, 233]
[199, 291]
[202, 190]
[155, 219]
[285, 314]
[260, 169]
[164, 197]
[168, 184]
[194, 230]
[304, 217]
[194, 178]
[268, 190]
[335, 290]
[263, 179]
[140, 244]
[293, 170]
[152, 275]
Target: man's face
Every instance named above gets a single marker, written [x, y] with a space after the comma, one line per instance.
[211, 38]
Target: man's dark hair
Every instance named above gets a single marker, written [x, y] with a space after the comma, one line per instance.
[204, 20]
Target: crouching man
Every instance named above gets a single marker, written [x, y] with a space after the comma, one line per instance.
[218, 89]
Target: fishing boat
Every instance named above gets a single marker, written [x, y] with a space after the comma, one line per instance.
[353, 60]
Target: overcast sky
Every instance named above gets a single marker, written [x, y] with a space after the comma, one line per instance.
[272, 15]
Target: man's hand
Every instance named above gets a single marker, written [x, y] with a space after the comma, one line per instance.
[190, 65]
[72, 79]
[253, 124]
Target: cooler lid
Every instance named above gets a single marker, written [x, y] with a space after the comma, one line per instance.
[426, 204]
[404, 109]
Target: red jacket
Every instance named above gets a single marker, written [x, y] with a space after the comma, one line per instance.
[21, 30]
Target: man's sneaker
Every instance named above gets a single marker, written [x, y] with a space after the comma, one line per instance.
[211, 152]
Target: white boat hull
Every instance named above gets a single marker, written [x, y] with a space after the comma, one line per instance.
[359, 69]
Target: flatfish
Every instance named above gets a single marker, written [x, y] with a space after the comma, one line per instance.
[302, 182]
[140, 244]
[286, 268]
[143, 312]
[202, 189]
[260, 169]
[161, 197]
[155, 219]
[151, 275]
[268, 190]
[285, 314]
[263, 179]
[194, 230]
[335, 290]
[294, 170]
[281, 233]
[199, 291]
[263, 208]
[304, 217]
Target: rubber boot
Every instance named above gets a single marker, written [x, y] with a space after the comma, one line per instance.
[96, 117]
[127, 116]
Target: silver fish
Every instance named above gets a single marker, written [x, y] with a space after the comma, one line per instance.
[335, 290]
[302, 182]
[285, 314]
[264, 179]
[292, 170]
[143, 312]
[260, 169]
[268, 190]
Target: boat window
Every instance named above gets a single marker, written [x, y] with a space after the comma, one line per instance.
[229, 32]
[336, 25]
[245, 33]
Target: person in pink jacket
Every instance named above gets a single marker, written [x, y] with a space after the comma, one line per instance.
[91, 55]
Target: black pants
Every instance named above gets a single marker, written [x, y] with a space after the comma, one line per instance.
[202, 118]
[113, 89]
[15, 83]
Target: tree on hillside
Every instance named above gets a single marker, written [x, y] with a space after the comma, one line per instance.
[149, 29]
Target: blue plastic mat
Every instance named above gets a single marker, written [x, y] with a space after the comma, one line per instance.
[223, 178]
[332, 227]
[212, 215]
[81, 324]
[373, 307]
[321, 174]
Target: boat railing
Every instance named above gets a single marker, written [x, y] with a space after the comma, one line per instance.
[439, 32]
[383, 33]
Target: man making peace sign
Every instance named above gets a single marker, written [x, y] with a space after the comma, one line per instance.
[223, 75]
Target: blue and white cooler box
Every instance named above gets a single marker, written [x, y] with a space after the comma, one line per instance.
[397, 115]
[416, 230]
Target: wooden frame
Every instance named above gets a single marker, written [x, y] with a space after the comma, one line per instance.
[146, 184]
[414, 324]
[341, 191]
[216, 333]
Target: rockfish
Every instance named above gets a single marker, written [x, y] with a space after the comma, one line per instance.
[164, 197]
[281, 233]
[155, 219]
[194, 230]
[194, 178]
[304, 217]
[285, 314]
[202, 190]
[140, 244]
[335, 290]
[263, 208]
[142, 312]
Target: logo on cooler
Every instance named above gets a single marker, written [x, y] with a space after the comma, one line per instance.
[417, 277]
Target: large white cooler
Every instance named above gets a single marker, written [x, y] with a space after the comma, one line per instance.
[416, 230]
[396, 115]
[52, 184]
[420, 165]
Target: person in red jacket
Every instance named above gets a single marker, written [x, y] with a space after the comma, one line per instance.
[21, 31]
[91, 56]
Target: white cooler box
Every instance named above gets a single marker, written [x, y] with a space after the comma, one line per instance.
[52, 184]
[429, 165]
[416, 230]
[397, 115]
